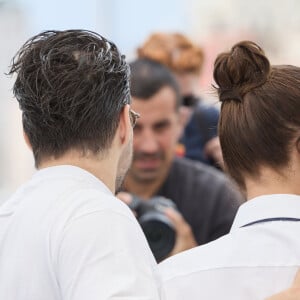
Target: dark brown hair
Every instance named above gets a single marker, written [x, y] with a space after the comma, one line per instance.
[173, 50]
[71, 87]
[260, 111]
[148, 77]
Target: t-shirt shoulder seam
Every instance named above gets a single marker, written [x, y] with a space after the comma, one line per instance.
[208, 269]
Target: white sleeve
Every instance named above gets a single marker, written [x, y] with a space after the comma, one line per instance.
[104, 255]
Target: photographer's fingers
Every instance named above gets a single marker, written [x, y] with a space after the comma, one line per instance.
[125, 197]
[182, 228]
[175, 217]
[184, 236]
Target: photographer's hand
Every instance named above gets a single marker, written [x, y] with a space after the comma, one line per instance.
[184, 236]
[126, 198]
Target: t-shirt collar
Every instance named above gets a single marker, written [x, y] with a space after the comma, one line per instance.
[267, 207]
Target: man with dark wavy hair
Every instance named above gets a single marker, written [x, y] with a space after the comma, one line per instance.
[64, 235]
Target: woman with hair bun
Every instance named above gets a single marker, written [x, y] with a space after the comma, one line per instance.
[259, 130]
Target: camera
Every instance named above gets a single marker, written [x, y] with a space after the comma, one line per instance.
[158, 229]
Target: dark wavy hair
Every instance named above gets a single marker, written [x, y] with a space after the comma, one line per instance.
[71, 87]
[260, 112]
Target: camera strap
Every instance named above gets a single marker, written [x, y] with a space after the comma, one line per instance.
[272, 220]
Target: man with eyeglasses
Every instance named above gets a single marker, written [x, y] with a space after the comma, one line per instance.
[206, 200]
[64, 235]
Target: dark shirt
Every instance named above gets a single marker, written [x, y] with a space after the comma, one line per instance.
[200, 129]
[205, 197]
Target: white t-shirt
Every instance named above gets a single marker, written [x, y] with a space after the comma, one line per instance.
[259, 257]
[64, 235]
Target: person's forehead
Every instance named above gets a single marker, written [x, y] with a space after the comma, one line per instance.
[163, 100]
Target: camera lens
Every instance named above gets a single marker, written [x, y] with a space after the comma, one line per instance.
[160, 236]
[158, 229]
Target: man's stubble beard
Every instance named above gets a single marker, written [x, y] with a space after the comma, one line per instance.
[144, 177]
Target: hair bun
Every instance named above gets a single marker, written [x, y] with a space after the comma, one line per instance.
[240, 70]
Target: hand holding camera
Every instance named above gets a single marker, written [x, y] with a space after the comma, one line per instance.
[164, 227]
[184, 235]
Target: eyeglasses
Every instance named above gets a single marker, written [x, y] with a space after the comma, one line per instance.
[134, 116]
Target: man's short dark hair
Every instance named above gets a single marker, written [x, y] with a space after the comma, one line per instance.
[148, 77]
[71, 87]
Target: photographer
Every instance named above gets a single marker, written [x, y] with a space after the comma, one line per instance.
[205, 199]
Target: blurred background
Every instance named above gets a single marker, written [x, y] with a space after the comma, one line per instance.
[214, 24]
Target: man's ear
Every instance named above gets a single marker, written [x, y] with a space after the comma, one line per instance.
[27, 140]
[298, 149]
[125, 128]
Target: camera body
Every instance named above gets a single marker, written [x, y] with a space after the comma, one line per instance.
[158, 229]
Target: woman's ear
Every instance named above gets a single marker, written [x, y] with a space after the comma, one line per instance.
[27, 140]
